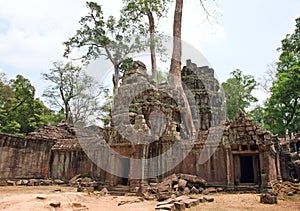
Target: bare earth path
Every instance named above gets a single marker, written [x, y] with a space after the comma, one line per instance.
[25, 198]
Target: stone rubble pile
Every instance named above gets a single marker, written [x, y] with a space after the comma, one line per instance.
[63, 130]
[181, 202]
[283, 189]
[176, 185]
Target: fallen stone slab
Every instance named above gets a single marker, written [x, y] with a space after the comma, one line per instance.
[58, 182]
[73, 180]
[168, 201]
[41, 197]
[10, 182]
[181, 198]
[209, 190]
[170, 207]
[46, 182]
[191, 202]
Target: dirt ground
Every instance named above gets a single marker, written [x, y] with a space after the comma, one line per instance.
[25, 198]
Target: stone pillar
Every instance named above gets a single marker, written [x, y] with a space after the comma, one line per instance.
[229, 168]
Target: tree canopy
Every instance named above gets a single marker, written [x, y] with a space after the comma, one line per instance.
[20, 111]
[238, 92]
[282, 108]
[74, 92]
[109, 37]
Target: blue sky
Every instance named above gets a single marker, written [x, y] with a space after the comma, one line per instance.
[245, 34]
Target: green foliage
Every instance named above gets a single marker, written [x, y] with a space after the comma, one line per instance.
[257, 115]
[105, 111]
[126, 65]
[238, 92]
[20, 111]
[137, 9]
[162, 77]
[282, 108]
[113, 39]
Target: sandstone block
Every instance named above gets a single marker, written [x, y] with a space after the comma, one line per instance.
[267, 198]
[182, 184]
[179, 206]
[55, 204]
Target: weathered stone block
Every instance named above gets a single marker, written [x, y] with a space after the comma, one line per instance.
[267, 198]
[179, 206]
[182, 184]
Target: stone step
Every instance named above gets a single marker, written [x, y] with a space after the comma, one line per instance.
[120, 190]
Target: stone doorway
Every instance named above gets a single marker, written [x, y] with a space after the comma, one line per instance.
[246, 169]
[125, 166]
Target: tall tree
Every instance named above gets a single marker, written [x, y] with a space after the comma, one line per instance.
[175, 67]
[20, 111]
[238, 92]
[135, 11]
[282, 108]
[73, 91]
[109, 38]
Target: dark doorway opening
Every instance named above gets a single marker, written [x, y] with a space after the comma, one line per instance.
[125, 162]
[247, 172]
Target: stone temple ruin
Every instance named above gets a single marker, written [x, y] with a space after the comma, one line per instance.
[148, 142]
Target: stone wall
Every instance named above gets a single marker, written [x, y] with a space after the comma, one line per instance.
[24, 157]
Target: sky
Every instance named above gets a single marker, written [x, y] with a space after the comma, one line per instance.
[242, 35]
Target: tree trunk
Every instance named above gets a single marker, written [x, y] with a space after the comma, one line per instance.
[68, 112]
[152, 45]
[175, 68]
[116, 78]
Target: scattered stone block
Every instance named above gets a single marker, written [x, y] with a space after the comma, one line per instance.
[41, 197]
[170, 207]
[55, 204]
[25, 182]
[179, 206]
[208, 199]
[32, 182]
[58, 182]
[73, 180]
[267, 198]
[220, 189]
[200, 189]
[209, 190]
[11, 183]
[202, 200]
[194, 190]
[19, 182]
[46, 182]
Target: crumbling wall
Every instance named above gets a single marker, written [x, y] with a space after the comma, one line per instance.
[290, 157]
[24, 157]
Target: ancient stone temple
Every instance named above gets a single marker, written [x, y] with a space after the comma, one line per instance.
[148, 140]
